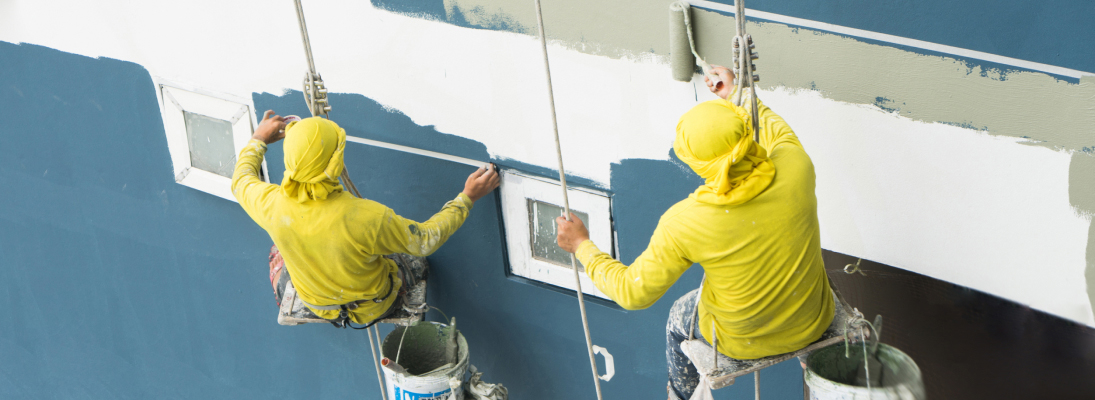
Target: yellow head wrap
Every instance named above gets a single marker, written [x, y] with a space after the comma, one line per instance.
[715, 138]
[313, 159]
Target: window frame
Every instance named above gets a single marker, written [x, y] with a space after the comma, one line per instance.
[516, 190]
[176, 98]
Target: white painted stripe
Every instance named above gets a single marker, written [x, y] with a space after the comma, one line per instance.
[882, 37]
[412, 150]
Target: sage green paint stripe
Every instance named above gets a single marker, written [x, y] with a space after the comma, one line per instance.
[613, 28]
[1081, 194]
[1048, 111]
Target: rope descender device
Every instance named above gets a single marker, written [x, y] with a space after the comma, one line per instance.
[315, 94]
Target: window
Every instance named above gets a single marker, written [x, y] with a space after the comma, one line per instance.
[529, 208]
[205, 133]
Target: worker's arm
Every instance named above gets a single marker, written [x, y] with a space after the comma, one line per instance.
[401, 235]
[633, 287]
[248, 189]
[774, 131]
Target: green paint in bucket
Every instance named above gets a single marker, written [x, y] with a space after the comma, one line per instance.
[832, 376]
[433, 362]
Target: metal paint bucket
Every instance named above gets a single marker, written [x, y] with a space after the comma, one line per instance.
[428, 362]
[832, 376]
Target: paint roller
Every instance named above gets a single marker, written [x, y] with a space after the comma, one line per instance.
[682, 47]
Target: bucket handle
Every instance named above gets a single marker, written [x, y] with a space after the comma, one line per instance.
[610, 365]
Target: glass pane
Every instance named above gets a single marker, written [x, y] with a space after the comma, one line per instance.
[542, 224]
[210, 144]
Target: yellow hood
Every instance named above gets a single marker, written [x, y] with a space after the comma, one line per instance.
[715, 138]
[313, 159]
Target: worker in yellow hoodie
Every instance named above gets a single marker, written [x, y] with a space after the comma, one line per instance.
[752, 226]
[334, 244]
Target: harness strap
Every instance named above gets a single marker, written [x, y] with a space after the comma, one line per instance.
[354, 304]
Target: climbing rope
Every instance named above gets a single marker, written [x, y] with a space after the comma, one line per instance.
[566, 199]
[743, 66]
[856, 322]
[315, 95]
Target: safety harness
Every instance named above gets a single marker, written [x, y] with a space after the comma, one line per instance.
[343, 319]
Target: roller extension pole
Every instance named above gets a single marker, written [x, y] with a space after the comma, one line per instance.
[566, 199]
[312, 93]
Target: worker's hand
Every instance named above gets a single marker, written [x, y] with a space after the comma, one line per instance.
[571, 233]
[726, 87]
[481, 182]
[271, 129]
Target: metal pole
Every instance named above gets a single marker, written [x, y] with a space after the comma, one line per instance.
[756, 384]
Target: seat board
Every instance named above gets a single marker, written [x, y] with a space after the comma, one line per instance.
[294, 312]
[702, 354]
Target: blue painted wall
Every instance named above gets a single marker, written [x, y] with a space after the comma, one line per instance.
[116, 281]
[120, 283]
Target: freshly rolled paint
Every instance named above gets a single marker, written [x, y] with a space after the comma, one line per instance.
[681, 60]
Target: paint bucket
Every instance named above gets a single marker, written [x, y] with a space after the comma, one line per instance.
[426, 361]
[831, 376]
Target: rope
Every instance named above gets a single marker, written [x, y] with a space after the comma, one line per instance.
[743, 67]
[857, 322]
[853, 268]
[696, 314]
[743, 61]
[315, 94]
[566, 199]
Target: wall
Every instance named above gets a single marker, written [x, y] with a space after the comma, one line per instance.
[961, 170]
[118, 282]
[165, 287]
[916, 150]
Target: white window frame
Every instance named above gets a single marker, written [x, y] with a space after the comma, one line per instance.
[516, 190]
[175, 98]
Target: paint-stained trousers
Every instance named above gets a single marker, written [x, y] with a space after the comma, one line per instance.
[683, 376]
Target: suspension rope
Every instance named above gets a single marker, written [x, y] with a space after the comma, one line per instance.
[744, 68]
[744, 79]
[566, 199]
[315, 95]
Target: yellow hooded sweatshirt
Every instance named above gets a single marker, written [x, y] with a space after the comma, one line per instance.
[332, 242]
[753, 227]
